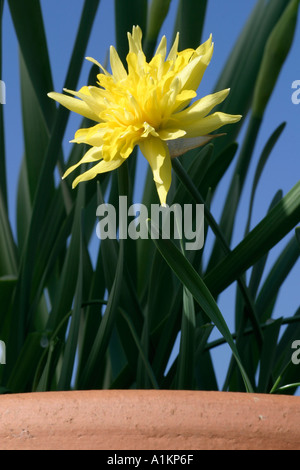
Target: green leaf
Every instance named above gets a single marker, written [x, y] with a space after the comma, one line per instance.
[258, 268]
[191, 15]
[157, 14]
[242, 66]
[123, 381]
[160, 289]
[23, 206]
[64, 296]
[128, 13]
[33, 119]
[268, 354]
[285, 371]
[226, 224]
[186, 356]
[29, 27]
[277, 223]
[260, 166]
[67, 367]
[139, 346]
[275, 53]
[217, 168]
[109, 252]
[116, 358]
[53, 345]
[276, 277]
[8, 249]
[236, 186]
[250, 310]
[196, 170]
[92, 315]
[54, 253]
[44, 187]
[7, 287]
[46, 370]
[204, 369]
[256, 275]
[164, 338]
[98, 350]
[189, 277]
[290, 375]
[24, 368]
[286, 388]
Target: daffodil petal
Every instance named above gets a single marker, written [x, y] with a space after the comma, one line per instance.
[166, 176]
[208, 124]
[148, 130]
[135, 40]
[74, 104]
[87, 95]
[91, 136]
[117, 66]
[204, 47]
[94, 61]
[171, 134]
[183, 99]
[202, 107]
[102, 167]
[162, 48]
[174, 49]
[157, 154]
[155, 151]
[94, 153]
[192, 74]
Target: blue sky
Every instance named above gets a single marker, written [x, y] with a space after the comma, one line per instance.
[225, 20]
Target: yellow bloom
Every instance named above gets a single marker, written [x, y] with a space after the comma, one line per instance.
[146, 106]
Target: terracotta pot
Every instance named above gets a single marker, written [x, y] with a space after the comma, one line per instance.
[148, 419]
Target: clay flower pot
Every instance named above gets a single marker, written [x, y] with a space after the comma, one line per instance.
[148, 419]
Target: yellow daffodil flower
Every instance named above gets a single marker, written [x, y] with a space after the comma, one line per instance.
[146, 105]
